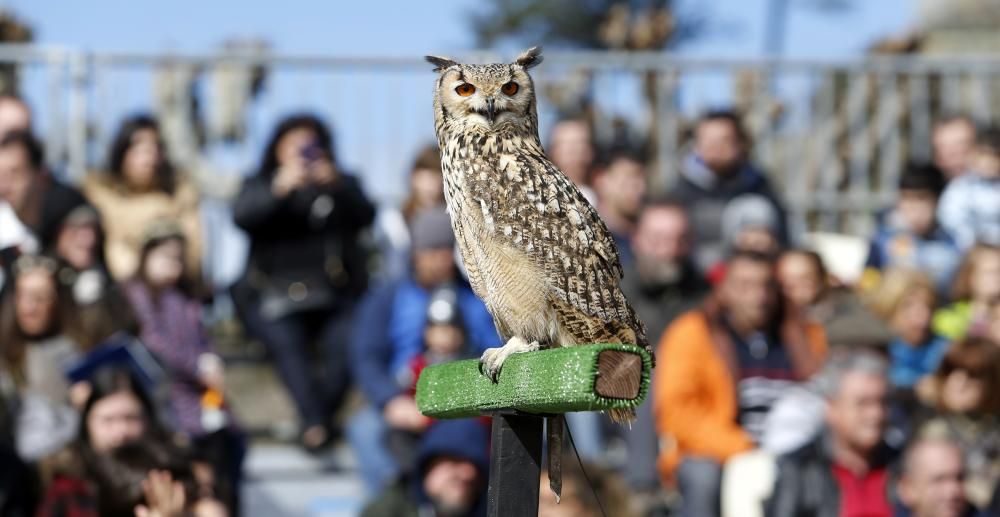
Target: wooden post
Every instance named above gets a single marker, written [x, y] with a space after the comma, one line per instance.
[516, 465]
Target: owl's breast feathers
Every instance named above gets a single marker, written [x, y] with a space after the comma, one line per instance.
[507, 185]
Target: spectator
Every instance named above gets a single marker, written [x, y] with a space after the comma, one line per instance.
[930, 484]
[107, 469]
[392, 226]
[718, 170]
[844, 471]
[661, 284]
[965, 392]
[572, 149]
[749, 223]
[444, 340]
[307, 268]
[953, 140]
[172, 329]
[39, 202]
[39, 335]
[905, 300]
[450, 480]
[910, 236]
[15, 116]
[970, 206]
[140, 185]
[388, 333]
[806, 287]
[977, 286]
[620, 188]
[720, 369]
[592, 493]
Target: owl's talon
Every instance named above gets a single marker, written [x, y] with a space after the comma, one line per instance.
[493, 358]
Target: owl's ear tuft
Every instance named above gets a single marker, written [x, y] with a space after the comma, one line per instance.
[530, 58]
[440, 63]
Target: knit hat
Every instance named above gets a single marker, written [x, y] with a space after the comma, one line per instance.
[462, 438]
[749, 211]
[159, 230]
[431, 229]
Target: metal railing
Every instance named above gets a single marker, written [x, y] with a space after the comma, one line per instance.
[833, 134]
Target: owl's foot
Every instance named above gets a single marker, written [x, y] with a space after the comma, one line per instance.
[493, 358]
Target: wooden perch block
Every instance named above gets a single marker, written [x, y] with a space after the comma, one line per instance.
[561, 380]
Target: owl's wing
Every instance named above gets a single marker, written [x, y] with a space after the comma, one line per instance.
[539, 210]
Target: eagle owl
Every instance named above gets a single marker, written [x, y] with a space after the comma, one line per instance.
[536, 251]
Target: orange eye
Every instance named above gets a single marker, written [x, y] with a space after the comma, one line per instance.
[465, 89]
[509, 88]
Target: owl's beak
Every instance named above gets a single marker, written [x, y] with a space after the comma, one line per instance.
[491, 109]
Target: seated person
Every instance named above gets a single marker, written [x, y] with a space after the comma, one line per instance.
[970, 206]
[930, 484]
[977, 286]
[450, 477]
[910, 236]
[964, 393]
[388, 335]
[749, 223]
[806, 286]
[844, 470]
[720, 367]
[620, 186]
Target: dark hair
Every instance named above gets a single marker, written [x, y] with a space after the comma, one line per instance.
[110, 380]
[922, 177]
[120, 474]
[166, 179]
[811, 256]
[951, 118]
[324, 139]
[31, 146]
[429, 158]
[726, 115]
[980, 358]
[13, 341]
[989, 138]
[185, 284]
[738, 255]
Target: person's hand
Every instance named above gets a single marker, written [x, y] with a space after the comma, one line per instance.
[401, 413]
[212, 372]
[79, 392]
[164, 496]
[289, 177]
[322, 172]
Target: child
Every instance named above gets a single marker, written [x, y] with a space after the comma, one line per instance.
[910, 236]
[977, 286]
[905, 300]
[970, 206]
[444, 341]
[170, 319]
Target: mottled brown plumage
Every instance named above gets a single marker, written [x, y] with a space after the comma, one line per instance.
[536, 251]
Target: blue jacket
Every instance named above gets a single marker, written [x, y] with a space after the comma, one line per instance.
[389, 332]
[909, 363]
[937, 253]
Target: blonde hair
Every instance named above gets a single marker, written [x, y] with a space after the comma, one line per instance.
[894, 286]
[961, 289]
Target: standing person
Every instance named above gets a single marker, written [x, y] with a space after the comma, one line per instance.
[844, 470]
[970, 206]
[662, 283]
[139, 186]
[307, 268]
[717, 170]
[171, 322]
[721, 367]
[953, 140]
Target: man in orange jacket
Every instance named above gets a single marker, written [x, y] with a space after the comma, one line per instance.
[721, 366]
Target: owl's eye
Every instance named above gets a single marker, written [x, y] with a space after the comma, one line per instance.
[509, 88]
[465, 89]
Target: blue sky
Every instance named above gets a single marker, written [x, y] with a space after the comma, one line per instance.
[395, 28]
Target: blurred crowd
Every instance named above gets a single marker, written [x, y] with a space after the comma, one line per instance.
[780, 389]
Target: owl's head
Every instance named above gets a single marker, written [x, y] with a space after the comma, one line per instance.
[486, 97]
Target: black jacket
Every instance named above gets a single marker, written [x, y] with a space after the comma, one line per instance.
[312, 232]
[806, 487]
[658, 305]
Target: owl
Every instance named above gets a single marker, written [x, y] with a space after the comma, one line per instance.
[536, 252]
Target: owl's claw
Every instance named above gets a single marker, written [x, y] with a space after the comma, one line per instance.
[493, 358]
